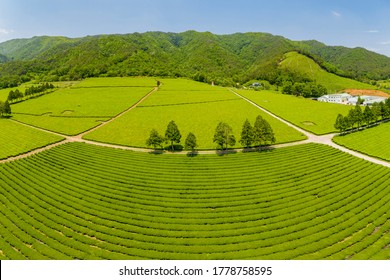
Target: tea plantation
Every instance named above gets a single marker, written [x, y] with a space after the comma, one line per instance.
[80, 201]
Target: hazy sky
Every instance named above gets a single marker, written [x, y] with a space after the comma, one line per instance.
[348, 23]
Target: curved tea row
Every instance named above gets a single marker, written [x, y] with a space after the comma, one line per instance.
[78, 201]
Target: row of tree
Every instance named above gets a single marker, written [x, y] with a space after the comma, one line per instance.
[357, 116]
[260, 134]
[305, 89]
[5, 108]
[8, 81]
[15, 95]
[172, 135]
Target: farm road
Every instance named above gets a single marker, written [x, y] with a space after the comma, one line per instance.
[312, 138]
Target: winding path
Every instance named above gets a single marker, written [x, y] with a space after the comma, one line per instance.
[311, 138]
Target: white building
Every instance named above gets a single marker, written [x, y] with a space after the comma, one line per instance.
[367, 99]
[341, 98]
[345, 98]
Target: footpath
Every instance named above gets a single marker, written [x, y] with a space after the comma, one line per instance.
[311, 138]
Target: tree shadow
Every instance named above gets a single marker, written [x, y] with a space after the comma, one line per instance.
[176, 148]
[157, 152]
[225, 152]
[192, 154]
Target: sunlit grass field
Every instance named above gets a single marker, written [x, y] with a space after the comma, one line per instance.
[17, 138]
[80, 201]
[314, 116]
[83, 106]
[373, 141]
[195, 107]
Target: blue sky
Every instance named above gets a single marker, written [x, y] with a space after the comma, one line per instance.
[347, 23]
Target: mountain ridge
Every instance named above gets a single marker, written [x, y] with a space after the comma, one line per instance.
[203, 56]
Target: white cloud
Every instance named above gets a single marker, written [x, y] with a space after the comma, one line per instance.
[336, 14]
[385, 43]
[5, 31]
[372, 31]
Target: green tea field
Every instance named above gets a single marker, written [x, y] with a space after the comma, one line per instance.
[311, 115]
[78, 108]
[88, 202]
[195, 107]
[17, 138]
[96, 196]
[373, 141]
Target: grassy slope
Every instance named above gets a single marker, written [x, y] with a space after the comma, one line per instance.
[83, 106]
[17, 139]
[373, 141]
[301, 64]
[313, 116]
[195, 107]
[88, 202]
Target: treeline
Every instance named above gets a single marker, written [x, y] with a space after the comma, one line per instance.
[260, 134]
[10, 81]
[308, 89]
[172, 135]
[359, 117]
[17, 95]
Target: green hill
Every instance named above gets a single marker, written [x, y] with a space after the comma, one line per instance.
[355, 62]
[304, 66]
[202, 56]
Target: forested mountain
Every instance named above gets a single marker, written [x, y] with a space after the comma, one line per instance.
[203, 56]
[356, 62]
[3, 58]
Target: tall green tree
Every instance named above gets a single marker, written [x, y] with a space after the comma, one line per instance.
[246, 134]
[359, 115]
[172, 134]
[154, 139]
[7, 108]
[376, 111]
[383, 110]
[352, 117]
[341, 123]
[223, 135]
[368, 115]
[262, 132]
[269, 133]
[190, 142]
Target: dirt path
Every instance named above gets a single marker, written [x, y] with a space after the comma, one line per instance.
[311, 138]
[80, 136]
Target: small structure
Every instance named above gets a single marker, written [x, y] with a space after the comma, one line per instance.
[345, 98]
[373, 99]
[340, 98]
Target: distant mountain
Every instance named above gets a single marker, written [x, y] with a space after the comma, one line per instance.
[202, 56]
[356, 62]
[302, 65]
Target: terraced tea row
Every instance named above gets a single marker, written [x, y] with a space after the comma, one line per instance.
[88, 202]
[316, 117]
[17, 138]
[373, 141]
[85, 105]
[195, 107]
